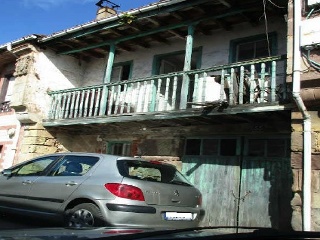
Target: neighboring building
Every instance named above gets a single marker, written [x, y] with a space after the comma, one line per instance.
[10, 126]
[204, 84]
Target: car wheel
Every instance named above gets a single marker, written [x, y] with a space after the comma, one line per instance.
[84, 215]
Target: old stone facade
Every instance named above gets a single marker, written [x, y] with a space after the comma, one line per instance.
[38, 72]
[310, 94]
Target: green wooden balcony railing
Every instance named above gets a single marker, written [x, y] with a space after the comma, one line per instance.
[251, 82]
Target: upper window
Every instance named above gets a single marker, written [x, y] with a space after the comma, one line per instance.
[121, 71]
[253, 47]
[174, 62]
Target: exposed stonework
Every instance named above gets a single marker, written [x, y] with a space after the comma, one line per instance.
[297, 168]
[37, 141]
[24, 65]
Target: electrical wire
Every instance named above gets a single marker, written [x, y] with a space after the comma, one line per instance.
[266, 26]
[312, 63]
[275, 4]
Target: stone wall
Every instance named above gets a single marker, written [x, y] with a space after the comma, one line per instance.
[311, 96]
[297, 168]
[35, 141]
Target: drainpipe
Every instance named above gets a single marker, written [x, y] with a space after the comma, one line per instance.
[306, 198]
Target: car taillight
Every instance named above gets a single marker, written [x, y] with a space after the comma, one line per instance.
[125, 191]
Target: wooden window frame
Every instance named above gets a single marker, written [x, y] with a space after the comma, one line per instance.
[272, 38]
[120, 66]
[157, 59]
[220, 139]
[126, 147]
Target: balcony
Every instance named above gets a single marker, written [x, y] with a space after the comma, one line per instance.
[239, 85]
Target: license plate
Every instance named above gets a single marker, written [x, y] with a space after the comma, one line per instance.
[176, 216]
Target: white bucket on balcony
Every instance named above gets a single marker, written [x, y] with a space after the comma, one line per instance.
[208, 90]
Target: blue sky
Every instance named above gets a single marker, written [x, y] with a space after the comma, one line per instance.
[20, 18]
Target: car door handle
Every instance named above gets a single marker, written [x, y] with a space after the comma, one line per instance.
[26, 182]
[72, 183]
[175, 200]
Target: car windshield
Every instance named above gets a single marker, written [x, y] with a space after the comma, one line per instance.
[152, 171]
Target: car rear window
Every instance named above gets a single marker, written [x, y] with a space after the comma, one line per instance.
[151, 171]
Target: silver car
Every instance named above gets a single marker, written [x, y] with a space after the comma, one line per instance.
[88, 189]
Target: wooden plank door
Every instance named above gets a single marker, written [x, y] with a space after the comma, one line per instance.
[251, 188]
[266, 180]
[218, 180]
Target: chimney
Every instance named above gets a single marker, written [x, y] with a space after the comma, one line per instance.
[105, 11]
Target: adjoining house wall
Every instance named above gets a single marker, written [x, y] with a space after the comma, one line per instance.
[35, 74]
[297, 168]
[9, 135]
[310, 94]
[9, 125]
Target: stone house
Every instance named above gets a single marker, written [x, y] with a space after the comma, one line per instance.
[222, 89]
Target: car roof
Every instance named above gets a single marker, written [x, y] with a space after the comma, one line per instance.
[101, 155]
[109, 157]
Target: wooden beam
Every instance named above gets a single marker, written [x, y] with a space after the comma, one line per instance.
[221, 23]
[136, 42]
[177, 34]
[161, 29]
[115, 23]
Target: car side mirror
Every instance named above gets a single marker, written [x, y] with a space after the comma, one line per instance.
[7, 172]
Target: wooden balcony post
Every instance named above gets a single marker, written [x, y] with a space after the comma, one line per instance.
[107, 75]
[187, 67]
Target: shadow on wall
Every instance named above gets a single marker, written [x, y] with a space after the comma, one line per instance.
[74, 142]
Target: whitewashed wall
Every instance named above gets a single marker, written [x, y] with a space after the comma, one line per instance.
[58, 71]
[55, 72]
[215, 51]
[62, 72]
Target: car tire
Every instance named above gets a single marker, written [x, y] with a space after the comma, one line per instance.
[84, 215]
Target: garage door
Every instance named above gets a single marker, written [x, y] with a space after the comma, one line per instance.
[245, 181]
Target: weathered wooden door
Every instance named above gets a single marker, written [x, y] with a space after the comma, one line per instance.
[265, 185]
[245, 186]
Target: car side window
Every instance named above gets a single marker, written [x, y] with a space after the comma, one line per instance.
[74, 165]
[33, 168]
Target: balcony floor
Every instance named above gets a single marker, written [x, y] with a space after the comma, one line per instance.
[207, 114]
